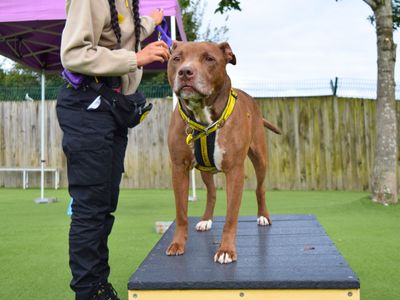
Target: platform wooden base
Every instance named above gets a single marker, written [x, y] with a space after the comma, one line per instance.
[317, 294]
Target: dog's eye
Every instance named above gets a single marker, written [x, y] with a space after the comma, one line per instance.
[176, 58]
[210, 59]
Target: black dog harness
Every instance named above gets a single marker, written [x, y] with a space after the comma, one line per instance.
[204, 136]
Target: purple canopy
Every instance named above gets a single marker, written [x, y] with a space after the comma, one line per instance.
[30, 32]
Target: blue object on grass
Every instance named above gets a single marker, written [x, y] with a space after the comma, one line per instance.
[69, 209]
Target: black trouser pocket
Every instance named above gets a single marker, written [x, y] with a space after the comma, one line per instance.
[89, 167]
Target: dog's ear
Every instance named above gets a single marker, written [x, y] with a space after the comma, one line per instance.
[175, 44]
[227, 51]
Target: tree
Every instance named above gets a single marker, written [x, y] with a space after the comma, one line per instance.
[17, 75]
[192, 15]
[384, 175]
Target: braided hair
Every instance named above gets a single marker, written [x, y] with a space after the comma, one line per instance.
[115, 24]
[136, 20]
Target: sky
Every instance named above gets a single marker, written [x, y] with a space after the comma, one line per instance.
[300, 40]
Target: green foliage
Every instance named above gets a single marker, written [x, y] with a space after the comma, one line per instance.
[395, 13]
[19, 75]
[227, 5]
[192, 13]
[155, 78]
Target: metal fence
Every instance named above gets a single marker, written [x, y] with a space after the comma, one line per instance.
[342, 87]
[9, 93]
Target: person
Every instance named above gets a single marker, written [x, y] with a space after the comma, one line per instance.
[101, 40]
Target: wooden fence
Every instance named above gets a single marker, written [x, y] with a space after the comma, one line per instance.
[327, 144]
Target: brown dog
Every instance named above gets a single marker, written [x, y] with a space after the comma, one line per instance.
[197, 74]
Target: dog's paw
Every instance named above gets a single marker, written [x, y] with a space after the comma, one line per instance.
[175, 249]
[204, 225]
[263, 221]
[225, 257]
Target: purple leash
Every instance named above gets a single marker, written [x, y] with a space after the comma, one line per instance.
[74, 79]
[163, 34]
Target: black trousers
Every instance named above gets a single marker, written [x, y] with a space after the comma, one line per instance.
[95, 147]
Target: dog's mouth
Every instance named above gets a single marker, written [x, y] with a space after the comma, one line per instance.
[187, 89]
[189, 92]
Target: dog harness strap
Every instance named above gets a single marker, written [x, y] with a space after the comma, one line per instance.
[207, 169]
[204, 151]
[203, 137]
[229, 106]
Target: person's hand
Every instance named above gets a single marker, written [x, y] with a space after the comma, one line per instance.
[157, 15]
[156, 51]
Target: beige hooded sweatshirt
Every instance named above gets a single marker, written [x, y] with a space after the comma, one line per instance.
[88, 40]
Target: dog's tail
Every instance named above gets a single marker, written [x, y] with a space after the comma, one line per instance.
[271, 127]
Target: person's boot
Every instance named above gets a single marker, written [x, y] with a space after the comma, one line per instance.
[105, 292]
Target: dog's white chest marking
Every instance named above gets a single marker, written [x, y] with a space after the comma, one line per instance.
[218, 153]
[202, 115]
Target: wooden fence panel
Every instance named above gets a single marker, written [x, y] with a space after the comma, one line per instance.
[326, 143]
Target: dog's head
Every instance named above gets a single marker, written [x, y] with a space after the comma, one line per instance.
[196, 70]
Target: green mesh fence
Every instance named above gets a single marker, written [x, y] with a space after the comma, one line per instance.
[26, 93]
[155, 91]
[342, 87]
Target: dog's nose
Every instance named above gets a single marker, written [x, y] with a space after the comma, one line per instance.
[186, 72]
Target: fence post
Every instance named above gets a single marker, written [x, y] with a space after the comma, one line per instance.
[334, 87]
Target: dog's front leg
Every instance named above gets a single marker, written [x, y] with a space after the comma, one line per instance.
[234, 189]
[180, 182]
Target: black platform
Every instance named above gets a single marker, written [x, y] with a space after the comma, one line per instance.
[294, 253]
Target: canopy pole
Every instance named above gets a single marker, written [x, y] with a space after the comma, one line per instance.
[173, 37]
[42, 199]
[42, 161]
[174, 103]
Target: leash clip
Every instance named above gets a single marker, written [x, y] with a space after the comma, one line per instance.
[188, 130]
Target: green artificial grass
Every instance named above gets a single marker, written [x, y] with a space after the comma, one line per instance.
[34, 237]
